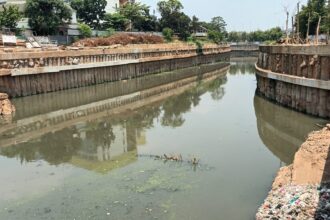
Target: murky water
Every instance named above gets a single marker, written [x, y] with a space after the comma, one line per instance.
[103, 166]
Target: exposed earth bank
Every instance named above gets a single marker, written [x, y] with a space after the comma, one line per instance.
[301, 190]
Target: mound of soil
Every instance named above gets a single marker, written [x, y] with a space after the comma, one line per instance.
[123, 39]
[302, 190]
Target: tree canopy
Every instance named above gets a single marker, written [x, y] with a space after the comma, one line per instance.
[172, 17]
[273, 34]
[309, 16]
[46, 15]
[139, 16]
[116, 21]
[9, 16]
[91, 12]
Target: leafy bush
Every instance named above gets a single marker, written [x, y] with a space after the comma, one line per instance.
[110, 32]
[85, 30]
[168, 34]
[215, 36]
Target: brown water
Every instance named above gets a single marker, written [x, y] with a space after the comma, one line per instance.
[100, 166]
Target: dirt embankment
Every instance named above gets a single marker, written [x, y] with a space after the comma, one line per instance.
[301, 190]
[120, 39]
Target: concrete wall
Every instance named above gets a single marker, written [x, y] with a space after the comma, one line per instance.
[29, 73]
[244, 50]
[296, 77]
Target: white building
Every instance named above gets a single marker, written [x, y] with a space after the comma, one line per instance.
[112, 6]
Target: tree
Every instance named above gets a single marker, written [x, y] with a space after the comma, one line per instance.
[183, 26]
[168, 34]
[46, 15]
[91, 12]
[234, 36]
[85, 30]
[139, 16]
[310, 15]
[195, 24]
[274, 34]
[218, 24]
[173, 18]
[217, 29]
[168, 7]
[115, 21]
[215, 36]
[9, 16]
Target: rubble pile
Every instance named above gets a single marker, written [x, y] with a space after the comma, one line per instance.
[120, 39]
[297, 202]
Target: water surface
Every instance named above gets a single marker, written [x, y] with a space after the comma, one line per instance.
[103, 167]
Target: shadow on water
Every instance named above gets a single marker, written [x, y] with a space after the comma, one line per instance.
[101, 143]
[282, 130]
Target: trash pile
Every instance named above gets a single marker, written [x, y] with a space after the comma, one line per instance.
[296, 202]
[120, 39]
[323, 209]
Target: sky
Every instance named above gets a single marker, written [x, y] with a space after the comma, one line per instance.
[240, 15]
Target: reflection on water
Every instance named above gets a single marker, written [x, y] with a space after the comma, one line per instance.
[65, 157]
[91, 144]
[282, 130]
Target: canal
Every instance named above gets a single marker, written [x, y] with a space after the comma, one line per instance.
[106, 165]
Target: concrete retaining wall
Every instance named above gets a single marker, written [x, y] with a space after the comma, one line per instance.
[244, 50]
[296, 77]
[30, 73]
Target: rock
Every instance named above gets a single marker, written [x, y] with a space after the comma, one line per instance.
[328, 126]
[6, 108]
[75, 61]
[41, 62]
[4, 64]
[31, 63]
[3, 96]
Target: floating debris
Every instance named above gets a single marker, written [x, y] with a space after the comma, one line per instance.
[172, 157]
[178, 159]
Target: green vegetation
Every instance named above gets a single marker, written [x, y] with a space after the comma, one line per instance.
[172, 17]
[273, 34]
[132, 16]
[91, 12]
[138, 16]
[168, 34]
[46, 21]
[116, 21]
[135, 16]
[85, 30]
[310, 15]
[9, 16]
